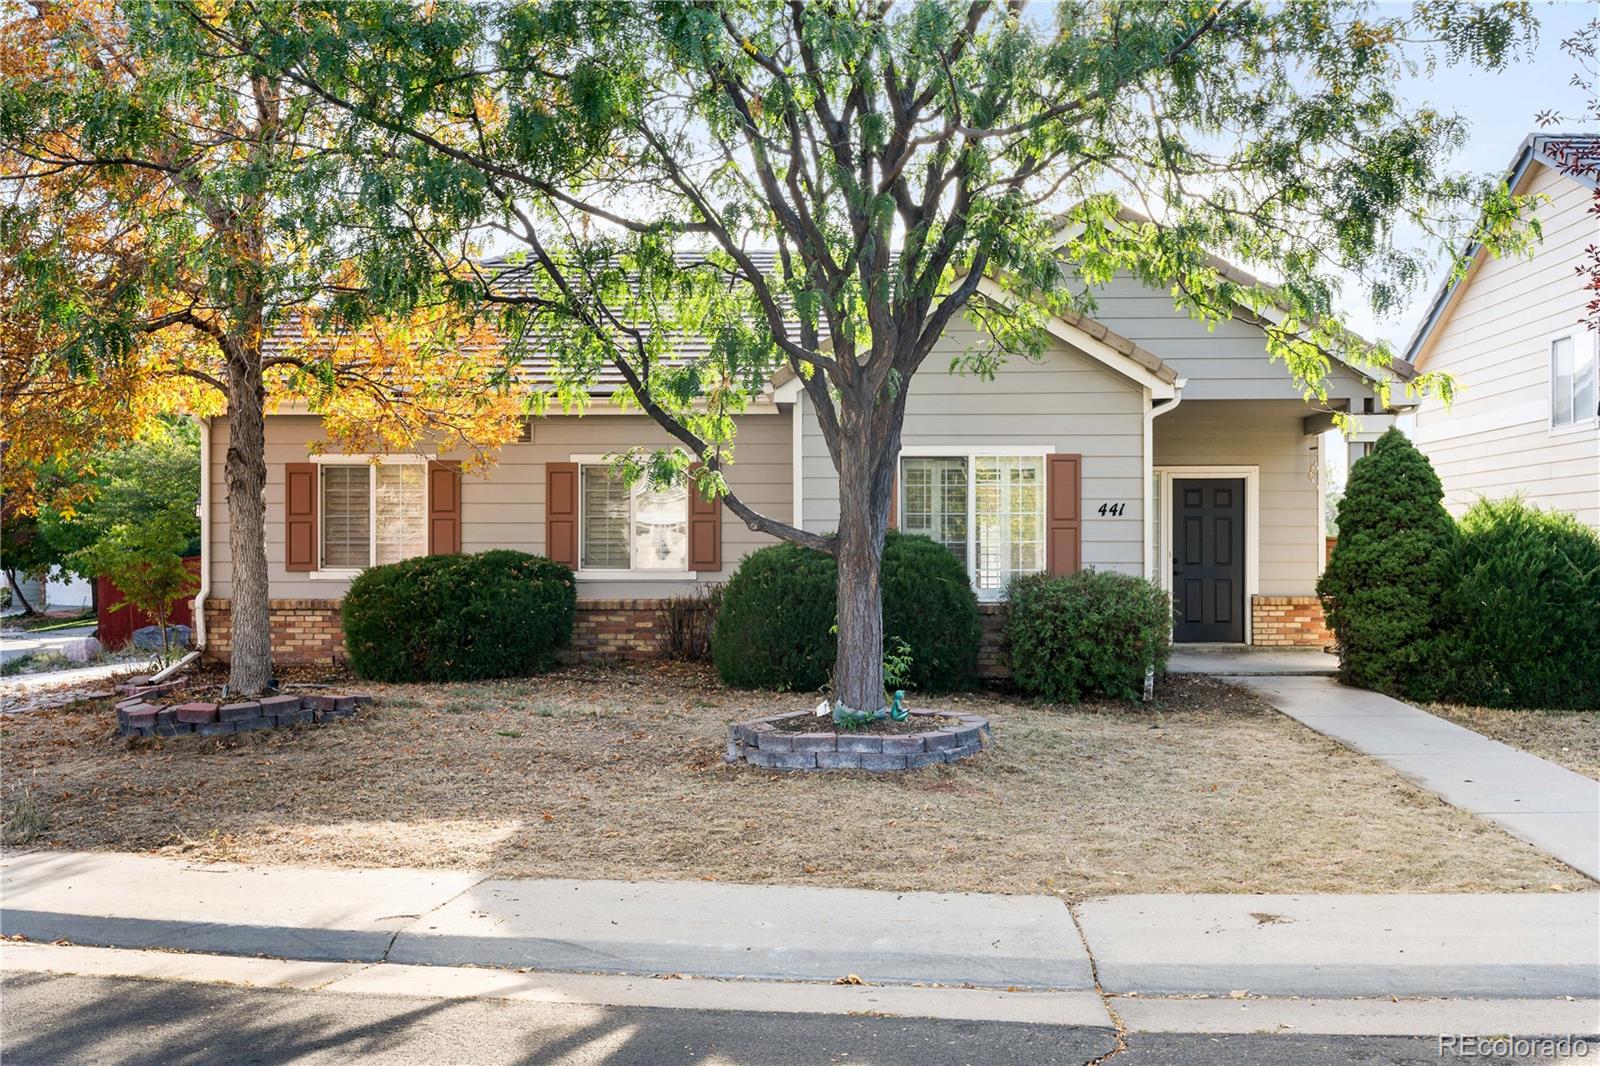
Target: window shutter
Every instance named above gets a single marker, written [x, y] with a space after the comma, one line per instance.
[705, 531]
[1064, 513]
[894, 498]
[444, 507]
[561, 513]
[300, 516]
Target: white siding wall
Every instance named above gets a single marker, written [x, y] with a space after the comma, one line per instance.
[1495, 440]
[1066, 401]
[503, 506]
[1268, 435]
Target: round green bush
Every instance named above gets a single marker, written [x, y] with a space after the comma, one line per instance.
[459, 617]
[775, 626]
[1095, 631]
[1520, 615]
[1381, 589]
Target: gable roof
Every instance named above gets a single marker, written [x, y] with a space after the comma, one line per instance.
[1534, 152]
[1237, 274]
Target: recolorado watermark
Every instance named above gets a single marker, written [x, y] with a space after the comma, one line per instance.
[1560, 1048]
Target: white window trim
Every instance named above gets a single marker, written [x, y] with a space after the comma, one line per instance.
[1576, 334]
[350, 573]
[1252, 528]
[584, 573]
[971, 455]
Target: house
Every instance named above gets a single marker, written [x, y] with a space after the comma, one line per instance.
[1141, 441]
[1526, 415]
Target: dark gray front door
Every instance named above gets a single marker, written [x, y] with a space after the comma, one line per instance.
[1208, 559]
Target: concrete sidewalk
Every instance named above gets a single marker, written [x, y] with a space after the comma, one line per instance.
[1491, 946]
[1549, 806]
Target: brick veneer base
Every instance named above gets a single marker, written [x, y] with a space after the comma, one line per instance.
[310, 630]
[302, 630]
[1288, 622]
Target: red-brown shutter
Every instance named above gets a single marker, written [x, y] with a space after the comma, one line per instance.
[561, 513]
[705, 531]
[300, 516]
[444, 507]
[894, 499]
[1064, 513]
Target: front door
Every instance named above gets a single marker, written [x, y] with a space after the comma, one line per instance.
[1208, 560]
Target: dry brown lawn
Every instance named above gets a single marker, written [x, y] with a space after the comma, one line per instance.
[1567, 738]
[619, 774]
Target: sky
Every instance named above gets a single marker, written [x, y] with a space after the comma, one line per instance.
[1500, 108]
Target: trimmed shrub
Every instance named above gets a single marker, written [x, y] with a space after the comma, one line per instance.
[1091, 632]
[928, 602]
[459, 617]
[773, 629]
[1520, 615]
[775, 626]
[1382, 587]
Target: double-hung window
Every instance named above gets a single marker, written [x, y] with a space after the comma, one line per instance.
[372, 514]
[631, 528]
[987, 510]
[1574, 380]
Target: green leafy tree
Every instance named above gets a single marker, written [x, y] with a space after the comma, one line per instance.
[890, 158]
[148, 480]
[144, 559]
[1382, 587]
[170, 204]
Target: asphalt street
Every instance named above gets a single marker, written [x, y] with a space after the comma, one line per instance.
[65, 1019]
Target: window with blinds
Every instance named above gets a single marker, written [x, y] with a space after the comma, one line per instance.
[346, 516]
[1008, 500]
[987, 510]
[400, 511]
[936, 501]
[631, 529]
[661, 529]
[605, 516]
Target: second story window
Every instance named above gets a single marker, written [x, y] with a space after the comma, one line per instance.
[1574, 388]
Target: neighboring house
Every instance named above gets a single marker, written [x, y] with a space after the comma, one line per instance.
[1511, 332]
[1142, 441]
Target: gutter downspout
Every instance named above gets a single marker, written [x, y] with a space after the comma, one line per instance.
[1153, 527]
[205, 536]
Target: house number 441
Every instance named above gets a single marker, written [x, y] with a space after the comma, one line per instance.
[1113, 509]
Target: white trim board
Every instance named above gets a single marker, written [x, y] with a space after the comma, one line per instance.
[1252, 527]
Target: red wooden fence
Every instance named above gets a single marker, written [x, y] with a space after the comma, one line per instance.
[116, 627]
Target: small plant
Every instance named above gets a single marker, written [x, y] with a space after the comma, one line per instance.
[25, 821]
[13, 667]
[686, 624]
[146, 562]
[512, 733]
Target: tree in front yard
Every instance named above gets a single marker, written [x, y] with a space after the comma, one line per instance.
[1382, 587]
[902, 165]
[171, 208]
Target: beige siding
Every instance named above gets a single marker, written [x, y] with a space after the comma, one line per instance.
[1224, 361]
[503, 506]
[1267, 435]
[1495, 440]
[1065, 401]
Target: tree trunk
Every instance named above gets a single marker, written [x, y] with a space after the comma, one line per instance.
[245, 471]
[16, 590]
[864, 488]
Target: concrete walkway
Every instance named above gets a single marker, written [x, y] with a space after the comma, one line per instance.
[1519, 946]
[1549, 806]
[1242, 661]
